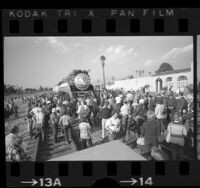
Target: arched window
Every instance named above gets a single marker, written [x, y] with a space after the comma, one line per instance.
[159, 84]
[168, 82]
[168, 79]
[182, 81]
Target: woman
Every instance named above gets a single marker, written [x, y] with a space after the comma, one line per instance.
[113, 126]
[85, 133]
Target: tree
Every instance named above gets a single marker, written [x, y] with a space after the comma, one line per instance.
[130, 77]
[146, 86]
[164, 67]
[41, 88]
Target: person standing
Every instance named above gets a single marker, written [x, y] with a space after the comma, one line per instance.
[40, 119]
[65, 123]
[118, 102]
[124, 113]
[83, 111]
[54, 123]
[171, 106]
[150, 131]
[139, 114]
[130, 97]
[105, 115]
[95, 111]
[151, 105]
[29, 120]
[181, 106]
[85, 133]
[159, 115]
[178, 133]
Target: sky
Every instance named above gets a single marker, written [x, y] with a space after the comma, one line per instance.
[34, 61]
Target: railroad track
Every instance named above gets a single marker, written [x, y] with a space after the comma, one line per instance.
[30, 145]
[48, 149]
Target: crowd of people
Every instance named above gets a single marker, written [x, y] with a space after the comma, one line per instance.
[10, 108]
[155, 118]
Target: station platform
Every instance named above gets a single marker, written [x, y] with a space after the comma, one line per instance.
[111, 151]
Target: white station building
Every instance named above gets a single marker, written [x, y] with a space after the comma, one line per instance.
[177, 79]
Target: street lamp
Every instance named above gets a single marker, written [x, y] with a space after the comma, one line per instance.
[113, 79]
[102, 59]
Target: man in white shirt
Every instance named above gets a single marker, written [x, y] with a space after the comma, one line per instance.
[65, 123]
[124, 112]
[83, 109]
[129, 96]
[40, 123]
[159, 115]
[35, 110]
[113, 126]
[118, 99]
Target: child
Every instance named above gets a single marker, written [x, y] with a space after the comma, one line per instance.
[85, 134]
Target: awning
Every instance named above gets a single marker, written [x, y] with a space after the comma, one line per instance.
[65, 88]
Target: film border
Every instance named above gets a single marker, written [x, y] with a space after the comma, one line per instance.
[184, 23]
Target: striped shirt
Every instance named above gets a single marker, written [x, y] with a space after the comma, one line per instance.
[178, 132]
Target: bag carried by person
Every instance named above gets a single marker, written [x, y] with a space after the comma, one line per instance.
[140, 141]
[163, 136]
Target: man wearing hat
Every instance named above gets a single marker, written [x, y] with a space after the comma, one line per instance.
[54, 123]
[150, 131]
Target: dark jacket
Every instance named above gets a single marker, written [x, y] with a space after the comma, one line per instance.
[171, 102]
[105, 113]
[151, 132]
[181, 104]
[139, 110]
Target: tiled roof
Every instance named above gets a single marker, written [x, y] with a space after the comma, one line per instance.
[173, 71]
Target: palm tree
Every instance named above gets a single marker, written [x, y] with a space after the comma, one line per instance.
[102, 59]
